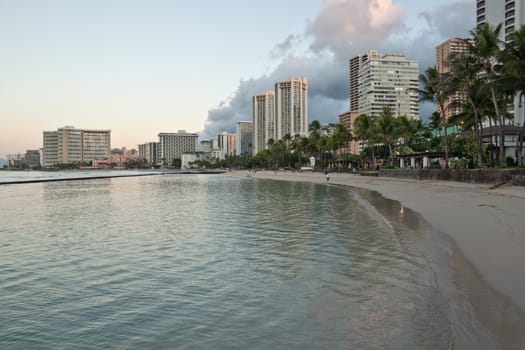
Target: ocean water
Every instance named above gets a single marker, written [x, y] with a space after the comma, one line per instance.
[218, 262]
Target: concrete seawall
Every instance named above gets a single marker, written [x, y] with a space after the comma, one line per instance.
[473, 176]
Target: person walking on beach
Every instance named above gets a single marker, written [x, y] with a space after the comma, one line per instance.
[327, 176]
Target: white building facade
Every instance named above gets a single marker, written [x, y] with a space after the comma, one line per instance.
[173, 145]
[378, 81]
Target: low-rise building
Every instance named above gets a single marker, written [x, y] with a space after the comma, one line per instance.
[32, 158]
[188, 159]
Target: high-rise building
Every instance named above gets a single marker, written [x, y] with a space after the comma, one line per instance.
[263, 107]
[244, 138]
[355, 67]
[443, 54]
[511, 15]
[173, 145]
[291, 107]
[225, 144]
[347, 119]
[68, 145]
[384, 81]
[206, 146]
[150, 152]
[50, 148]
[96, 144]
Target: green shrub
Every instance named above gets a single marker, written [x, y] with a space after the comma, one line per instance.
[459, 164]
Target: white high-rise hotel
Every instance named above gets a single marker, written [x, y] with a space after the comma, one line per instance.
[511, 15]
[172, 145]
[378, 81]
[280, 113]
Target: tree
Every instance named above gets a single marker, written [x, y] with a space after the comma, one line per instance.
[436, 89]
[386, 131]
[340, 139]
[513, 59]
[313, 139]
[465, 79]
[364, 129]
[406, 128]
[486, 48]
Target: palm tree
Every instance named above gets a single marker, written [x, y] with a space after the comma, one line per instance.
[386, 131]
[513, 59]
[465, 79]
[435, 122]
[303, 147]
[406, 128]
[436, 89]
[364, 128]
[340, 138]
[314, 137]
[486, 48]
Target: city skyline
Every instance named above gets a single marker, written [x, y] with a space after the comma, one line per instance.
[139, 68]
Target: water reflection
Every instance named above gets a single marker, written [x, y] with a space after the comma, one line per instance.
[214, 262]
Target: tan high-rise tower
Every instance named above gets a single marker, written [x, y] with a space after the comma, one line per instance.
[69, 145]
[443, 56]
[263, 107]
[291, 107]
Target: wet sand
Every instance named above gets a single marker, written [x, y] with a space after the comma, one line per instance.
[487, 224]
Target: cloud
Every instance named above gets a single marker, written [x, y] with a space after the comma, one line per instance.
[452, 19]
[328, 92]
[341, 30]
[346, 28]
[443, 22]
[284, 47]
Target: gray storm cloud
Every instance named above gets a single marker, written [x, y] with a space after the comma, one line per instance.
[343, 29]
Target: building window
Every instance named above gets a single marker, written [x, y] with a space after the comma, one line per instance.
[509, 14]
[481, 3]
[509, 6]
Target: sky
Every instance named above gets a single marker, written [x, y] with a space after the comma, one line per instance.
[141, 67]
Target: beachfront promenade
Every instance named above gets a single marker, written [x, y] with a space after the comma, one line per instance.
[488, 224]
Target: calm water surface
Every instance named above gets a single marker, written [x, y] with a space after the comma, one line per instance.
[210, 262]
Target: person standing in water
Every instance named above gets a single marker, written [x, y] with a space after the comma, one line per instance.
[327, 176]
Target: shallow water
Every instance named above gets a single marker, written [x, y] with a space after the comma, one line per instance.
[201, 261]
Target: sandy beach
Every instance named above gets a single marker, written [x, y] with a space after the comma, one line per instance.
[486, 223]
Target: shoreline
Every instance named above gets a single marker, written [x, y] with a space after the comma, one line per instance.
[108, 176]
[485, 223]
